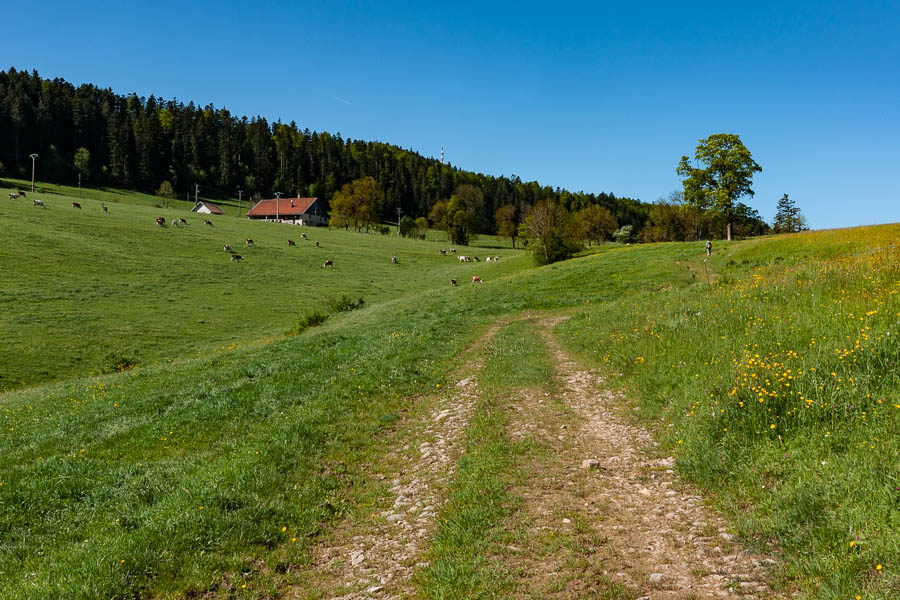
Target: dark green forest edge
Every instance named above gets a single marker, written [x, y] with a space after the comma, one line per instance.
[141, 143]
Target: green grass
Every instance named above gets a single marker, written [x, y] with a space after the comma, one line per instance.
[780, 384]
[471, 529]
[188, 473]
[81, 284]
[150, 446]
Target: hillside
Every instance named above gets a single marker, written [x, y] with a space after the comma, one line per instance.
[137, 143]
[84, 284]
[449, 423]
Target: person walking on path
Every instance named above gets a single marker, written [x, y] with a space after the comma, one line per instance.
[708, 248]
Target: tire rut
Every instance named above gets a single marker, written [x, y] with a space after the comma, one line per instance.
[378, 559]
[661, 538]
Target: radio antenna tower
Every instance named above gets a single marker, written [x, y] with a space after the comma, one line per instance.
[442, 155]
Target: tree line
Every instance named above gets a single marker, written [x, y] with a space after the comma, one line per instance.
[149, 144]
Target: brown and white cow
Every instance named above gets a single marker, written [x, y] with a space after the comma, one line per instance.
[292, 243]
[328, 263]
[452, 282]
[76, 205]
[477, 279]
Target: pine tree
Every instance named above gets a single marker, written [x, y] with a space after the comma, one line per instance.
[788, 218]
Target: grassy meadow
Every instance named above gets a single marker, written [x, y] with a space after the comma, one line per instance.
[774, 385]
[80, 285]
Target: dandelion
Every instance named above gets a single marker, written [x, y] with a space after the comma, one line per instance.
[877, 567]
[283, 529]
[772, 426]
[852, 544]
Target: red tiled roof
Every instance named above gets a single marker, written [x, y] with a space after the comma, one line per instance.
[287, 207]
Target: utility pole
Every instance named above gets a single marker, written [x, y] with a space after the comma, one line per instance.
[33, 156]
[240, 191]
[277, 202]
[79, 185]
[399, 212]
[196, 191]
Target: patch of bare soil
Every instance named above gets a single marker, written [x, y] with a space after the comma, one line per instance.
[377, 557]
[622, 513]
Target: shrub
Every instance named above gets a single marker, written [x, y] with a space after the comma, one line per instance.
[344, 304]
[313, 318]
[118, 361]
[623, 234]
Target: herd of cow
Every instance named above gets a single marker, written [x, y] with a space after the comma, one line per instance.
[161, 222]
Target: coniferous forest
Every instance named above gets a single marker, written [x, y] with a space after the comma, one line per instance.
[138, 143]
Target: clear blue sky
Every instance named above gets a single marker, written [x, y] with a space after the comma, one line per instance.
[586, 96]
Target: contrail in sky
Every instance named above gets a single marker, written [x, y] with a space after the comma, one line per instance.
[341, 100]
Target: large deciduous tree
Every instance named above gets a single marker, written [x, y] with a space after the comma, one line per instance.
[507, 221]
[359, 202]
[724, 179]
[549, 229]
[595, 223]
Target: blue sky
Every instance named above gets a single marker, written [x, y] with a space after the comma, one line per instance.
[585, 96]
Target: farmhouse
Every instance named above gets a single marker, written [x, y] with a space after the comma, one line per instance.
[297, 211]
[207, 208]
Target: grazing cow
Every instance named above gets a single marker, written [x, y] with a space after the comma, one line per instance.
[496, 258]
[476, 279]
[452, 282]
[452, 250]
[160, 221]
[328, 263]
[76, 205]
[248, 241]
[292, 243]
[488, 259]
[317, 244]
[303, 236]
[38, 203]
[227, 248]
[462, 259]
[103, 208]
[21, 193]
[443, 252]
[394, 260]
[13, 196]
[476, 259]
[208, 222]
[174, 222]
[237, 257]
[182, 220]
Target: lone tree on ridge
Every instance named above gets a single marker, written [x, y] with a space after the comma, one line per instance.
[725, 179]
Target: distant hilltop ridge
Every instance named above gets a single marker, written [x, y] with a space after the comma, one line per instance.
[137, 142]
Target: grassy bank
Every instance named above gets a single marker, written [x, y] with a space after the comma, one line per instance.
[210, 474]
[779, 389]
